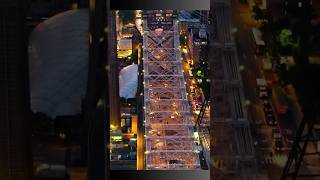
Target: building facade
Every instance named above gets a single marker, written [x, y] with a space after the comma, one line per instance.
[113, 72]
[197, 42]
[15, 114]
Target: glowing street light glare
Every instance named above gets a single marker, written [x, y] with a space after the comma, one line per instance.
[185, 51]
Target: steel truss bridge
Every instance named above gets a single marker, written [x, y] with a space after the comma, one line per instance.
[232, 144]
[168, 126]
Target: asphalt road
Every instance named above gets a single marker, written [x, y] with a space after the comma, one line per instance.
[242, 20]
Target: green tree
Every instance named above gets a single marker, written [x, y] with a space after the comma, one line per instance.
[286, 38]
[259, 14]
[201, 72]
[126, 16]
[296, 32]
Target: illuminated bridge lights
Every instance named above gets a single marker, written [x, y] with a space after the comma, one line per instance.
[169, 140]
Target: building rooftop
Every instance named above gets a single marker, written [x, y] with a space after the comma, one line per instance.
[128, 81]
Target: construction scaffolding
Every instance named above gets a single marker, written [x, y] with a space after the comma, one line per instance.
[169, 137]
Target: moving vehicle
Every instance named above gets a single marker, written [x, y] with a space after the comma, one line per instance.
[259, 44]
[279, 146]
[271, 121]
[276, 134]
[263, 94]
[280, 100]
[262, 89]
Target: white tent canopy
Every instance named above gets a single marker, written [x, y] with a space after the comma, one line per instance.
[128, 81]
[58, 60]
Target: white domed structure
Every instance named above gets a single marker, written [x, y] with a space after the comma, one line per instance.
[128, 81]
[58, 61]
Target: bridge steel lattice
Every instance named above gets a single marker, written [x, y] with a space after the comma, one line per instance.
[169, 140]
[231, 143]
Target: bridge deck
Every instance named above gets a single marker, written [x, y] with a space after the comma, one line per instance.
[169, 139]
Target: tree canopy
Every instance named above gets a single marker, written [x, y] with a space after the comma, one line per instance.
[259, 14]
[287, 39]
[294, 33]
[126, 16]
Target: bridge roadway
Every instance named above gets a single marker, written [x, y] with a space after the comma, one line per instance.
[168, 127]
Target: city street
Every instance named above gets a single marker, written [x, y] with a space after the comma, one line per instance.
[251, 63]
[196, 99]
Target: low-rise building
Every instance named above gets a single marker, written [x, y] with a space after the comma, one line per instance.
[197, 41]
